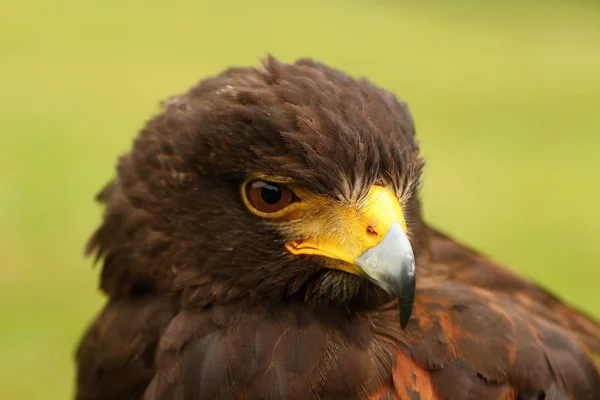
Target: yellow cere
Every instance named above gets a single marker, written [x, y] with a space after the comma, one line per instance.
[348, 231]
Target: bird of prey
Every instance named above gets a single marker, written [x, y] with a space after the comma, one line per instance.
[263, 239]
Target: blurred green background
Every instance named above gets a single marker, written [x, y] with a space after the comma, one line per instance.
[506, 101]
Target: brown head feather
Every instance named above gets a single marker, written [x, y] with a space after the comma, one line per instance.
[174, 215]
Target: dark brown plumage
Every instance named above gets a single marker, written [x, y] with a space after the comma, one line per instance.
[207, 300]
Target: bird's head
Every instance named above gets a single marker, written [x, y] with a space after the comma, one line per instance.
[286, 181]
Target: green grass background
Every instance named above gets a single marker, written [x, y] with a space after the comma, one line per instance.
[506, 100]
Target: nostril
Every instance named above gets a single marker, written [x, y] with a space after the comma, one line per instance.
[371, 230]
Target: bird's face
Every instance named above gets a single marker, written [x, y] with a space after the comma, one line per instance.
[364, 237]
[295, 180]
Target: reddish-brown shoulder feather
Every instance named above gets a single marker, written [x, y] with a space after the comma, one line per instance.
[481, 332]
[453, 261]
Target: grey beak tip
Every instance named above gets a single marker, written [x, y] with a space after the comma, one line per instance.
[404, 322]
[405, 309]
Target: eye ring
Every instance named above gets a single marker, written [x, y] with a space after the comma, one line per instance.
[267, 198]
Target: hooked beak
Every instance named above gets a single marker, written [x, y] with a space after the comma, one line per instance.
[371, 241]
[391, 266]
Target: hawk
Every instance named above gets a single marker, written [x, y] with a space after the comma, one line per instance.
[263, 239]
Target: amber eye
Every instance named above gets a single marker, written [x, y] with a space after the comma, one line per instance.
[268, 197]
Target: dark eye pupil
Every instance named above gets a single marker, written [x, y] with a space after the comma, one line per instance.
[270, 193]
